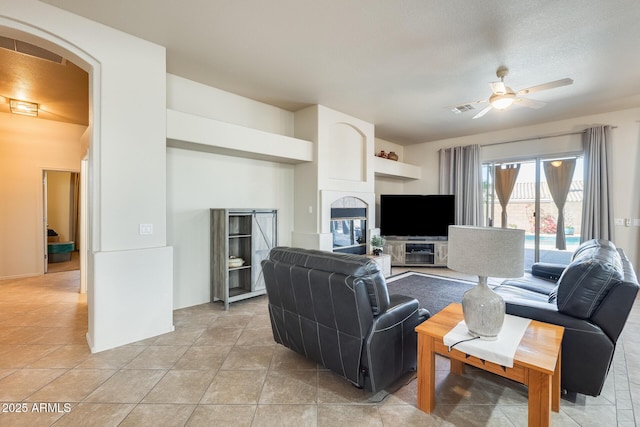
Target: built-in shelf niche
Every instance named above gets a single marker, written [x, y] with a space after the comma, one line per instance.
[394, 169]
[191, 132]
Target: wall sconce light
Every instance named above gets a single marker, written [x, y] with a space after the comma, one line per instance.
[23, 107]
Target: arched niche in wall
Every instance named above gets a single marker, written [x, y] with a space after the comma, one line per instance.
[347, 147]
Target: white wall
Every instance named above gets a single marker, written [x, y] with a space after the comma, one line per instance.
[626, 160]
[206, 101]
[27, 147]
[198, 181]
[127, 167]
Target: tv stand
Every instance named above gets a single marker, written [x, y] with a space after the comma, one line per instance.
[416, 252]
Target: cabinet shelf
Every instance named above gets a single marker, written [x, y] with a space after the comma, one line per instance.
[237, 294]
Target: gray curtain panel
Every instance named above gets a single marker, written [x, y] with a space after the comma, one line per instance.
[461, 175]
[597, 208]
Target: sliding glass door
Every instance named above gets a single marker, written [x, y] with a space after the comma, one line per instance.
[543, 196]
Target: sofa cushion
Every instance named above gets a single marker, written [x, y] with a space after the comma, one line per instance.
[532, 284]
[596, 268]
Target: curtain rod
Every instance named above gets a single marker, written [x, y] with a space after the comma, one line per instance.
[555, 135]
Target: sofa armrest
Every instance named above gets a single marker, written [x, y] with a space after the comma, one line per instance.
[547, 270]
[586, 350]
[548, 313]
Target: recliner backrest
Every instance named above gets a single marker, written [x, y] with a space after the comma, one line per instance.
[364, 269]
[596, 268]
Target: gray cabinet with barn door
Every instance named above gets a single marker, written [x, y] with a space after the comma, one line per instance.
[240, 240]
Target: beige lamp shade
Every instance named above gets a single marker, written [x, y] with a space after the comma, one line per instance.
[486, 251]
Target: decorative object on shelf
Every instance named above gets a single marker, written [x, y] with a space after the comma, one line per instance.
[235, 262]
[390, 155]
[377, 242]
[485, 251]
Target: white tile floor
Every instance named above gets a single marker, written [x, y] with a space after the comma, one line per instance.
[223, 368]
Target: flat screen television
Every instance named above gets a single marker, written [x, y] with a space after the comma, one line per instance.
[415, 215]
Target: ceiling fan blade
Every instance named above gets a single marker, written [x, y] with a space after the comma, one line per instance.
[483, 112]
[531, 103]
[545, 86]
[498, 88]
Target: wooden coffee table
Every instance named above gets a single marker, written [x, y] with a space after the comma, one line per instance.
[536, 363]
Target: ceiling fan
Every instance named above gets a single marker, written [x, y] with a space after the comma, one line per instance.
[503, 96]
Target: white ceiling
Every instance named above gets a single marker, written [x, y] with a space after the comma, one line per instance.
[396, 63]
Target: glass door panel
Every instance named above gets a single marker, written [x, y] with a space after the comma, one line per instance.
[531, 206]
[521, 209]
[560, 184]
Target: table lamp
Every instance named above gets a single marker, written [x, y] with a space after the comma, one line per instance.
[485, 251]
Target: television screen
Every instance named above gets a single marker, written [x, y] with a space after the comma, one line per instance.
[416, 215]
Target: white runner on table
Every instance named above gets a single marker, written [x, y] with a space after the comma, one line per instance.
[501, 351]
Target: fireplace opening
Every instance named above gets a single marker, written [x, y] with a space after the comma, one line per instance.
[349, 225]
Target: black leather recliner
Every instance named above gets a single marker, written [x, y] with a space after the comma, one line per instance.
[591, 298]
[335, 309]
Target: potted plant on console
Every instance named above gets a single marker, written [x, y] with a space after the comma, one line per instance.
[377, 242]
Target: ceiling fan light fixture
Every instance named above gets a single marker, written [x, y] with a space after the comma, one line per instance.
[502, 101]
[23, 107]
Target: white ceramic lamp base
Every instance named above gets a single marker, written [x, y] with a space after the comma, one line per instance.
[483, 311]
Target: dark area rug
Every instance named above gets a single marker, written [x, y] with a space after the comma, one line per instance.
[433, 292]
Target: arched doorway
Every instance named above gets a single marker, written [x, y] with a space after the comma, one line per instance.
[23, 46]
[130, 274]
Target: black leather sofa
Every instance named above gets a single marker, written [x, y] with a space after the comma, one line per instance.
[335, 309]
[591, 298]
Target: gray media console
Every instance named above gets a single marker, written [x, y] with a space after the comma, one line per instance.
[419, 253]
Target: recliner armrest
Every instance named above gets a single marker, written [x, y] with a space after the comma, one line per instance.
[391, 346]
[400, 308]
[547, 270]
